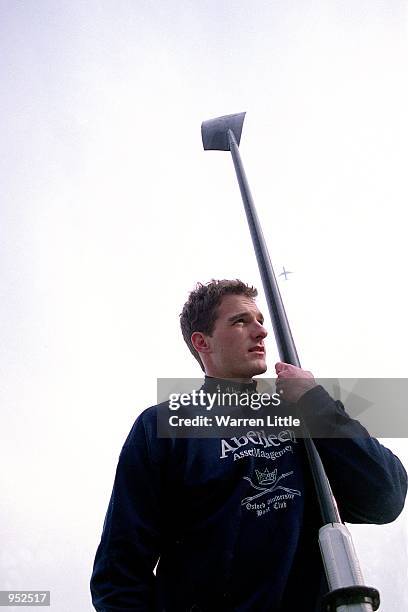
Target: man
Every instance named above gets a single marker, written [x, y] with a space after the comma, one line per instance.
[233, 523]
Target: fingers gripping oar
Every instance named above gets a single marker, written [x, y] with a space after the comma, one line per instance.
[348, 592]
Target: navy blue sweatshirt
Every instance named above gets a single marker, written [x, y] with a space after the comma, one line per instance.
[234, 522]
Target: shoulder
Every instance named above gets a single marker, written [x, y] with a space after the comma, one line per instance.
[143, 436]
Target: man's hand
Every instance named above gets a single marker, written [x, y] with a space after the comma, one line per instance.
[293, 382]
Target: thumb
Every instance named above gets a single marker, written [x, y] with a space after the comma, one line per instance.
[280, 366]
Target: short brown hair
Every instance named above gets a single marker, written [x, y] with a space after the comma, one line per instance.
[199, 313]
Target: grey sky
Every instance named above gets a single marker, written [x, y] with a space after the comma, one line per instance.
[111, 211]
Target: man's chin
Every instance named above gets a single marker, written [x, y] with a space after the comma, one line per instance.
[256, 369]
[261, 370]
[244, 371]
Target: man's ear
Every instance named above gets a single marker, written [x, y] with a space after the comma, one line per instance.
[200, 342]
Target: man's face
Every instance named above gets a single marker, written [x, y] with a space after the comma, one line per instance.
[237, 343]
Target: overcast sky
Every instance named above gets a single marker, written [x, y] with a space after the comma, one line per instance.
[111, 212]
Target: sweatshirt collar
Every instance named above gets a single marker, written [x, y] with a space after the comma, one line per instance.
[228, 385]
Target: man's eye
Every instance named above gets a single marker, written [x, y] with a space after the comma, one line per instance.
[239, 321]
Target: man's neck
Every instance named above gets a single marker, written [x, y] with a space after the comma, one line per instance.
[226, 377]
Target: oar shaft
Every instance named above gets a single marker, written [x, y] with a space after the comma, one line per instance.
[286, 346]
[283, 335]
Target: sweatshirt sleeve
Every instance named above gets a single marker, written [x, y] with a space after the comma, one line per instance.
[123, 577]
[368, 480]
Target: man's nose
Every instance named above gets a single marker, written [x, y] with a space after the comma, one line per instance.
[259, 330]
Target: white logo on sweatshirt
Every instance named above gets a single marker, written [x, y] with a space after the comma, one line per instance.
[257, 438]
[269, 482]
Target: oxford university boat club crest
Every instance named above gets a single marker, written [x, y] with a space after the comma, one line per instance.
[268, 482]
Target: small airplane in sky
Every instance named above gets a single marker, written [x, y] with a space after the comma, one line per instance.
[285, 273]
